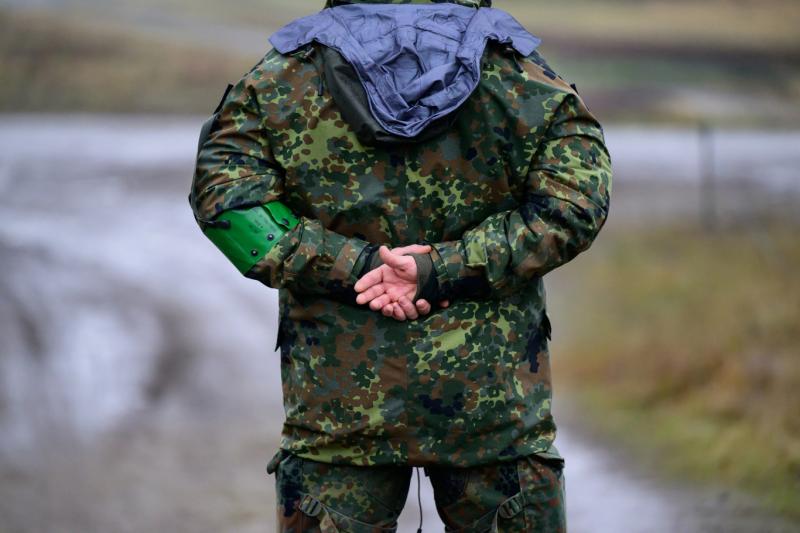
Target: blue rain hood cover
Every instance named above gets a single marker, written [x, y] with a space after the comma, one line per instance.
[417, 62]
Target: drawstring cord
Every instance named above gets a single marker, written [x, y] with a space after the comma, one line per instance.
[308, 54]
[419, 501]
[511, 51]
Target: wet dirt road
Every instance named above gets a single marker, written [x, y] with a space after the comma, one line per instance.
[139, 390]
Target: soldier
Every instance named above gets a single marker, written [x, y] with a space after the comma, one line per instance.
[405, 173]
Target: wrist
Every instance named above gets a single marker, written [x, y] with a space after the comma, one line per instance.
[372, 259]
[456, 279]
[427, 282]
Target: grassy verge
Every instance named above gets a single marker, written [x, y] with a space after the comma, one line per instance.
[714, 23]
[729, 63]
[760, 24]
[52, 64]
[687, 346]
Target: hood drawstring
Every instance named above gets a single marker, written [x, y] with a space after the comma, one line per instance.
[419, 501]
[509, 50]
[309, 54]
[468, 3]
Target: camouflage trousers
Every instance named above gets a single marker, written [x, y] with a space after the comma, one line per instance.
[525, 495]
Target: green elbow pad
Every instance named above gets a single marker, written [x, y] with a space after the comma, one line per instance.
[246, 235]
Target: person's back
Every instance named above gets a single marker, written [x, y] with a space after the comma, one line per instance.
[393, 125]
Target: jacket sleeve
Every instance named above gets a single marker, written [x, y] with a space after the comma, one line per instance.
[236, 169]
[566, 202]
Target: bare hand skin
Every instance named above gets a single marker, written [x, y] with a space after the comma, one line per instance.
[391, 287]
[397, 277]
[423, 308]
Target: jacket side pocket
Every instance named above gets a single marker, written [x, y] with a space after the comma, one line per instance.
[279, 339]
[537, 342]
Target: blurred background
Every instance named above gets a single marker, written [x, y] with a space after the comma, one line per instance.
[139, 388]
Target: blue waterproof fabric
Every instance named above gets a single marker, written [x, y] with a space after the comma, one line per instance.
[417, 62]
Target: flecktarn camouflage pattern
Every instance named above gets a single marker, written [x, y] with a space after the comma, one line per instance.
[508, 497]
[315, 496]
[518, 186]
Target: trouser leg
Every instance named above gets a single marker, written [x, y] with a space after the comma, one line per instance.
[316, 497]
[521, 496]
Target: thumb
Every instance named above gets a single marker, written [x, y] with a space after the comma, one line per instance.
[393, 260]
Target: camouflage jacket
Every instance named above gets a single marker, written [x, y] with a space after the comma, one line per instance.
[518, 185]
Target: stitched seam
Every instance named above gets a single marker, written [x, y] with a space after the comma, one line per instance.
[235, 181]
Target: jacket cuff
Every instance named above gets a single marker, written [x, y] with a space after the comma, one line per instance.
[341, 278]
[456, 279]
[427, 282]
[369, 260]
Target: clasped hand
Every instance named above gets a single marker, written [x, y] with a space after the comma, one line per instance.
[390, 288]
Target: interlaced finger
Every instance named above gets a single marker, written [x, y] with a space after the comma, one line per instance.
[408, 308]
[371, 293]
[399, 313]
[380, 302]
[369, 279]
[423, 306]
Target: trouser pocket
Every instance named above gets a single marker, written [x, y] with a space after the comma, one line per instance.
[273, 463]
[332, 521]
[468, 499]
[522, 496]
[316, 497]
[542, 493]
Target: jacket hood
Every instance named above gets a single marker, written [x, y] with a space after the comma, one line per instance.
[416, 62]
[467, 3]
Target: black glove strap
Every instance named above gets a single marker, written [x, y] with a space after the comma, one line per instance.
[427, 283]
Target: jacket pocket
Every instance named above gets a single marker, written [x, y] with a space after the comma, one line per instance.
[538, 342]
[546, 326]
[279, 339]
[277, 459]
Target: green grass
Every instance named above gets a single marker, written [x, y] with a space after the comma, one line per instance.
[653, 61]
[50, 64]
[764, 25]
[687, 347]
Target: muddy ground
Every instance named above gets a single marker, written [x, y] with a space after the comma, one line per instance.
[139, 390]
